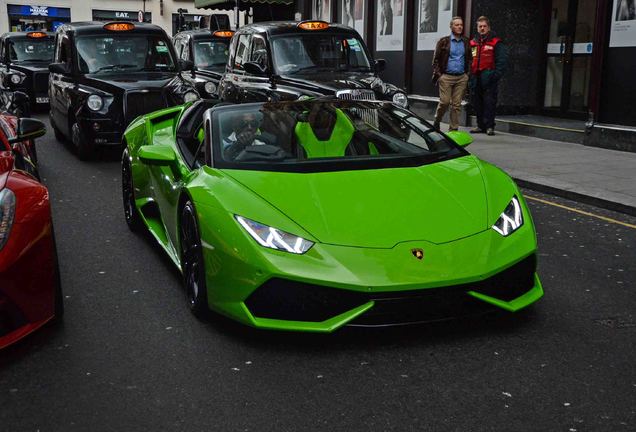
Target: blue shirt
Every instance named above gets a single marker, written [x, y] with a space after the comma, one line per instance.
[456, 63]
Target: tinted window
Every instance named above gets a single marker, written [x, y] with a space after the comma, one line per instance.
[31, 49]
[318, 52]
[124, 53]
[210, 54]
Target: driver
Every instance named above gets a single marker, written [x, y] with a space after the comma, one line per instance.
[245, 132]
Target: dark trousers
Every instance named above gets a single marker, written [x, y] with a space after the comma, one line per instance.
[484, 101]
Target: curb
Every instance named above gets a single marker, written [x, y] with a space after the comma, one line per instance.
[575, 196]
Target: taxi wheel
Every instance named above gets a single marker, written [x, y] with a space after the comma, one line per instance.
[84, 148]
[133, 219]
[192, 264]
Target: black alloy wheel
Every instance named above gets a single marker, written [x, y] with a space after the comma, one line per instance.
[133, 219]
[192, 264]
[84, 148]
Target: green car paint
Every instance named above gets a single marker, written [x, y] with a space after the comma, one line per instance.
[365, 225]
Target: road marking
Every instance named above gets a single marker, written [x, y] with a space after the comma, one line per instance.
[581, 212]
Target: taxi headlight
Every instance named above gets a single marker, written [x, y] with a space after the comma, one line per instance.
[94, 102]
[7, 211]
[190, 97]
[16, 79]
[210, 87]
[400, 99]
[274, 238]
[510, 220]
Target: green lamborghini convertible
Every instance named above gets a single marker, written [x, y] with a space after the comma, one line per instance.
[311, 215]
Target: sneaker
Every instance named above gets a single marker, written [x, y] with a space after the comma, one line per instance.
[476, 130]
[490, 131]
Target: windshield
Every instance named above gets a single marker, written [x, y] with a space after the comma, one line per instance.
[27, 49]
[210, 54]
[318, 52]
[324, 136]
[124, 53]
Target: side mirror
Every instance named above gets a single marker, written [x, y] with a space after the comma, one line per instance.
[159, 155]
[59, 68]
[186, 65]
[28, 129]
[254, 68]
[380, 65]
[460, 137]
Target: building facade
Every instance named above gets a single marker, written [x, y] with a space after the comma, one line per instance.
[23, 15]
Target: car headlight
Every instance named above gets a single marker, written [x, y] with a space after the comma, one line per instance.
[94, 102]
[401, 100]
[510, 220]
[7, 211]
[210, 88]
[274, 238]
[16, 79]
[190, 97]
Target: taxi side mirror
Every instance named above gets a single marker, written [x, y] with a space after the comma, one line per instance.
[28, 129]
[186, 65]
[380, 65]
[254, 68]
[59, 68]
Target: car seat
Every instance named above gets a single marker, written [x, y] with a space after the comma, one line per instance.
[334, 146]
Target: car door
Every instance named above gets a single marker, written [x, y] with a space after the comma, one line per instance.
[58, 83]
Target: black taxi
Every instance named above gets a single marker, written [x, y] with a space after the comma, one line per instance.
[104, 75]
[25, 58]
[289, 60]
[208, 50]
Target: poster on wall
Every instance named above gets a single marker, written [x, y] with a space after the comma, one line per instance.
[390, 25]
[352, 14]
[321, 10]
[623, 30]
[433, 22]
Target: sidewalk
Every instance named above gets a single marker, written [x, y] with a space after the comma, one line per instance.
[597, 176]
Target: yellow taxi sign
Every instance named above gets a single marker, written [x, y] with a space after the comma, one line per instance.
[313, 25]
[223, 33]
[119, 26]
[36, 35]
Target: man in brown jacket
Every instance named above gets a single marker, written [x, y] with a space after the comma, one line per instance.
[451, 65]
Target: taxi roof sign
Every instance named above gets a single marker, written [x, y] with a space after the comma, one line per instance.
[36, 35]
[119, 26]
[313, 25]
[223, 33]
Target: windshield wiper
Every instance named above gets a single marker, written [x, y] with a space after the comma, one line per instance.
[115, 66]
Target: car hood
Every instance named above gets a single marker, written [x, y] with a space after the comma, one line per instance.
[331, 82]
[378, 208]
[133, 81]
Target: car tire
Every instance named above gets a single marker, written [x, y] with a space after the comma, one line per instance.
[133, 218]
[84, 148]
[192, 264]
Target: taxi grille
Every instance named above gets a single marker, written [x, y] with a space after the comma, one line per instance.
[138, 103]
[41, 83]
[370, 116]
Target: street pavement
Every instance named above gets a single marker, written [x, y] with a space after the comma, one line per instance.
[601, 177]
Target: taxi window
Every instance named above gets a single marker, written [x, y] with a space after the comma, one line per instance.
[258, 52]
[210, 53]
[31, 50]
[124, 53]
[241, 51]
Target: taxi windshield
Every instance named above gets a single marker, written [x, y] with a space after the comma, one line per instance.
[210, 54]
[31, 49]
[310, 53]
[124, 53]
[317, 135]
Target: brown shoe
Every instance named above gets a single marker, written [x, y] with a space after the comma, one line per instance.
[490, 131]
[476, 130]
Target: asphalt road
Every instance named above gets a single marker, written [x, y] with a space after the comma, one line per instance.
[130, 357]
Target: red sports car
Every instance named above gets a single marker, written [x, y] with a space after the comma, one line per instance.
[30, 291]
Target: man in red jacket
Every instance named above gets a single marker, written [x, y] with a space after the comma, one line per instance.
[489, 62]
[451, 64]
